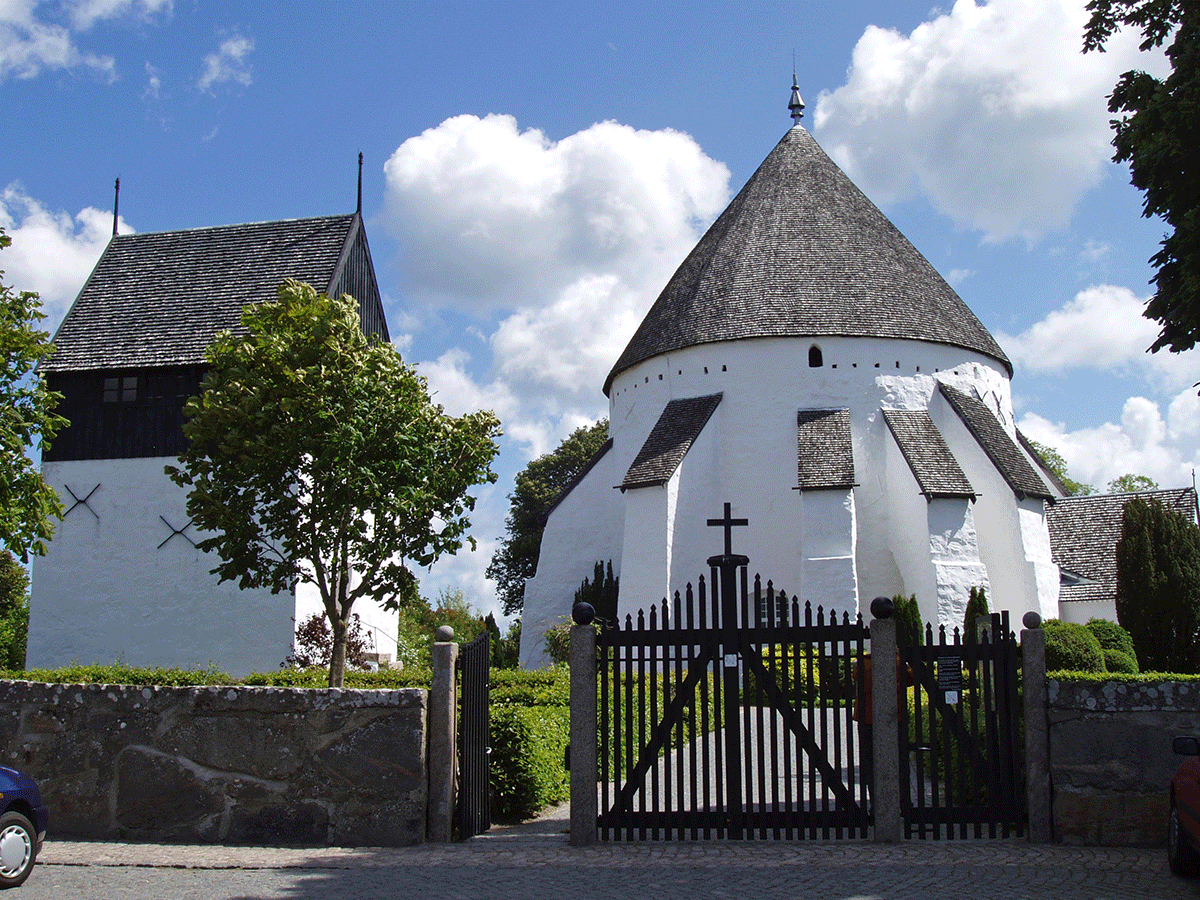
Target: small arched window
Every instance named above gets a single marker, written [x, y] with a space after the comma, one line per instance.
[814, 357]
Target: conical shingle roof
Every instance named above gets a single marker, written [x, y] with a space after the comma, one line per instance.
[801, 252]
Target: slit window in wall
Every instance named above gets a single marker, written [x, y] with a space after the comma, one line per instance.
[815, 360]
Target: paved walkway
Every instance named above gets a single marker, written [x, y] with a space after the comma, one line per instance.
[534, 861]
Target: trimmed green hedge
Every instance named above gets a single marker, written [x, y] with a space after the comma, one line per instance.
[527, 772]
[1119, 677]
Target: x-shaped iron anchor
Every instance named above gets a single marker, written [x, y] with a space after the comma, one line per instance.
[176, 531]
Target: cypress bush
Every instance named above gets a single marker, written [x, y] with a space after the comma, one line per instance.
[1158, 586]
[908, 619]
[977, 606]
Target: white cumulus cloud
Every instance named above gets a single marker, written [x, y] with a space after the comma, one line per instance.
[29, 44]
[1101, 329]
[1141, 443]
[52, 252]
[228, 64]
[521, 217]
[990, 110]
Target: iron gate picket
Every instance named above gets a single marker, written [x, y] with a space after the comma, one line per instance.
[472, 812]
[960, 742]
[729, 714]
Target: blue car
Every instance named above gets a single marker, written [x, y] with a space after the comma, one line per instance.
[22, 826]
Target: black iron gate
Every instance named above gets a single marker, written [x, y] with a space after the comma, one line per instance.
[961, 769]
[729, 714]
[472, 813]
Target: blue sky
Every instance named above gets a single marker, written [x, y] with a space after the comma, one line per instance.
[535, 172]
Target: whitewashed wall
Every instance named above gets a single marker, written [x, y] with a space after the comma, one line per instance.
[106, 591]
[585, 528]
[747, 455]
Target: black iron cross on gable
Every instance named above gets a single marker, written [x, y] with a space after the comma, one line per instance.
[728, 523]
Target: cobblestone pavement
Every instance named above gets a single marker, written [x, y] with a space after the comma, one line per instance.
[536, 861]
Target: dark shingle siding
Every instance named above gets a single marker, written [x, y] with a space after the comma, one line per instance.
[157, 299]
[801, 252]
[1000, 448]
[824, 450]
[927, 454]
[1084, 532]
[672, 436]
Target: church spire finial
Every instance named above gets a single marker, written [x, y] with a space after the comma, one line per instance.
[796, 104]
[359, 210]
[116, 203]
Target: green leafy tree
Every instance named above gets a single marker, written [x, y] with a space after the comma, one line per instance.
[538, 487]
[1156, 135]
[27, 420]
[1056, 464]
[977, 606]
[315, 454]
[1158, 586]
[14, 612]
[1131, 484]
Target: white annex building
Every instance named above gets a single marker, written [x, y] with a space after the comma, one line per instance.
[122, 578]
[809, 366]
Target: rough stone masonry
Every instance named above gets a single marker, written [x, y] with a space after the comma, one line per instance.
[223, 764]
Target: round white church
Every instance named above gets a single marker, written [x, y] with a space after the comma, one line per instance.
[809, 366]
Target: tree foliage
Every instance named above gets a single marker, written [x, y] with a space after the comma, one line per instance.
[316, 455]
[1132, 484]
[27, 420]
[14, 612]
[538, 487]
[1156, 135]
[1056, 464]
[1158, 586]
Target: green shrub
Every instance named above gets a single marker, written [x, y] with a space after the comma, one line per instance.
[1072, 646]
[1119, 661]
[527, 772]
[1111, 636]
[558, 642]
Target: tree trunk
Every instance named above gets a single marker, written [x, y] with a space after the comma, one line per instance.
[337, 657]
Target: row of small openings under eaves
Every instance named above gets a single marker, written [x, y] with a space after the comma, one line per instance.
[815, 361]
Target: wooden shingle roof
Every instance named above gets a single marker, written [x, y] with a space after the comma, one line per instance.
[932, 463]
[670, 439]
[1000, 448]
[801, 252]
[824, 452]
[157, 299]
[1084, 532]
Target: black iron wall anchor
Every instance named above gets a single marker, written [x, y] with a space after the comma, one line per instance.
[81, 501]
[176, 531]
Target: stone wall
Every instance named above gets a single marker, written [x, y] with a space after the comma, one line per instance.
[222, 764]
[1110, 758]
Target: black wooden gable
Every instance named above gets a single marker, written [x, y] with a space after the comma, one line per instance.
[131, 348]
